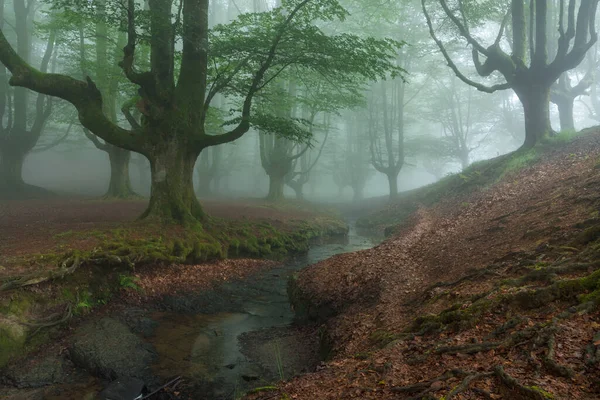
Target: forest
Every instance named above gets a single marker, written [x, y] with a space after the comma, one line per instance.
[299, 199]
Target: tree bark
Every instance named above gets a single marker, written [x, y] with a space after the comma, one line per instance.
[12, 185]
[393, 183]
[120, 184]
[172, 197]
[565, 113]
[536, 107]
[276, 185]
[11, 168]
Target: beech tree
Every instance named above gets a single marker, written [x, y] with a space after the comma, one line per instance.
[527, 69]
[21, 127]
[177, 90]
[107, 81]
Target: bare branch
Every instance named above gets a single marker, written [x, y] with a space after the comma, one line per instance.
[452, 65]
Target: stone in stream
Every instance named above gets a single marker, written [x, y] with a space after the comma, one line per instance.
[138, 321]
[37, 373]
[108, 349]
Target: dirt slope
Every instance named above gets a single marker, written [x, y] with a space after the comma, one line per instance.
[490, 294]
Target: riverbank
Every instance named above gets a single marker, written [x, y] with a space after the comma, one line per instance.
[47, 313]
[486, 288]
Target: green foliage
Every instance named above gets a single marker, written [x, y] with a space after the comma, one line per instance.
[129, 282]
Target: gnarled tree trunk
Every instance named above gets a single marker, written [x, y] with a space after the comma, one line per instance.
[536, 107]
[172, 196]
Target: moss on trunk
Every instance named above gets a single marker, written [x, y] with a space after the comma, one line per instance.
[172, 197]
[536, 107]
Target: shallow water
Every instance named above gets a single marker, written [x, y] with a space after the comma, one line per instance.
[225, 354]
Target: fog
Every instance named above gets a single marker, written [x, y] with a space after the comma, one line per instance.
[412, 121]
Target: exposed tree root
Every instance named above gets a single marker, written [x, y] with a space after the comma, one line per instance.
[424, 388]
[518, 390]
[67, 267]
[51, 320]
[468, 348]
[464, 385]
[521, 391]
[547, 338]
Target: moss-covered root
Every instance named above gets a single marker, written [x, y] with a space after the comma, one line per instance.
[514, 389]
[518, 390]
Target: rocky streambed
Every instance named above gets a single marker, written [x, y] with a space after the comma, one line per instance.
[216, 344]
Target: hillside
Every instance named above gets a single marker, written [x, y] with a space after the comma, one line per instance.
[489, 288]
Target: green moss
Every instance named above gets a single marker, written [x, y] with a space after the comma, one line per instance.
[546, 394]
[263, 389]
[12, 339]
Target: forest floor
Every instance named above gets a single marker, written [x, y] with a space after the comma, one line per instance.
[489, 288]
[37, 234]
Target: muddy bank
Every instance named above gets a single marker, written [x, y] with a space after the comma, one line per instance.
[223, 342]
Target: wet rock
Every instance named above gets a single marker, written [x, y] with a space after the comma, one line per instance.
[16, 394]
[123, 389]
[108, 349]
[138, 321]
[38, 373]
[12, 338]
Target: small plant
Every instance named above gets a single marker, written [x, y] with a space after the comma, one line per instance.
[83, 303]
[129, 282]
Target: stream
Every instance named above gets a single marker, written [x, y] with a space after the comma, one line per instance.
[254, 344]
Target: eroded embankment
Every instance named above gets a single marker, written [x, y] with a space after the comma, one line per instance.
[489, 293]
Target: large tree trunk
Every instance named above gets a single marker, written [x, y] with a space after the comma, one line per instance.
[393, 183]
[298, 188]
[276, 185]
[11, 167]
[120, 184]
[565, 113]
[172, 197]
[536, 107]
[358, 193]
[12, 185]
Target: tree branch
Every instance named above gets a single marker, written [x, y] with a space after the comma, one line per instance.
[244, 124]
[94, 139]
[85, 96]
[144, 79]
[478, 86]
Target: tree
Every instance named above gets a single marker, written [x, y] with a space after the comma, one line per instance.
[386, 132]
[18, 135]
[107, 80]
[564, 93]
[176, 92]
[528, 73]
[326, 98]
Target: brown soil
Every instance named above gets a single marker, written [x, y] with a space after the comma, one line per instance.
[487, 237]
